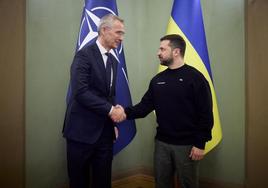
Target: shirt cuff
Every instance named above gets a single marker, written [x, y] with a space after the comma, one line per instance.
[111, 110]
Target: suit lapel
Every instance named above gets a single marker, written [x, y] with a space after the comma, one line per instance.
[99, 60]
[99, 64]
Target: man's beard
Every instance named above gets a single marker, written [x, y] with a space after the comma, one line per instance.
[166, 62]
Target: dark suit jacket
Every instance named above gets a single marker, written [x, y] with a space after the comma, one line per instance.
[91, 99]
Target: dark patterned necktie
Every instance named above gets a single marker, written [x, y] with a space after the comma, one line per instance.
[109, 70]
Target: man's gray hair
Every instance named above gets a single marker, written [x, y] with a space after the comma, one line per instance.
[108, 21]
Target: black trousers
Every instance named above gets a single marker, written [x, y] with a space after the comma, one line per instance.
[91, 160]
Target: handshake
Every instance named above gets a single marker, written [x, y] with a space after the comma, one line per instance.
[118, 114]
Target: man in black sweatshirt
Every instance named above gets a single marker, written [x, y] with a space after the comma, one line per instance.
[182, 101]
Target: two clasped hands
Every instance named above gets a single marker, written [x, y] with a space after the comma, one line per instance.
[118, 114]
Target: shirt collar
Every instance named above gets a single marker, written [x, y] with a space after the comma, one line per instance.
[101, 48]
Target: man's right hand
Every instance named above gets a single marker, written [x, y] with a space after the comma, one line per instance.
[118, 114]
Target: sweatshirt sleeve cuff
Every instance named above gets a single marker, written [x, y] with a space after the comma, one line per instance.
[200, 145]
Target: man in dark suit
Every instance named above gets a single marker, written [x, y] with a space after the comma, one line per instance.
[88, 127]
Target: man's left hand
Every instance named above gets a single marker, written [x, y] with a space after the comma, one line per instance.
[197, 154]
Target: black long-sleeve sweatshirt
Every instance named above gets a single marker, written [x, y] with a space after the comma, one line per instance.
[182, 101]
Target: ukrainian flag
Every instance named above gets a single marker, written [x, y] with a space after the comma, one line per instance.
[187, 20]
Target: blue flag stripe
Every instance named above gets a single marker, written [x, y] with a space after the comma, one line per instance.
[188, 16]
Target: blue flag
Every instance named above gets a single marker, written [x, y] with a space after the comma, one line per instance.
[93, 11]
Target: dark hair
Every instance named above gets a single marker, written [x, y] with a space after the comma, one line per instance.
[175, 41]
